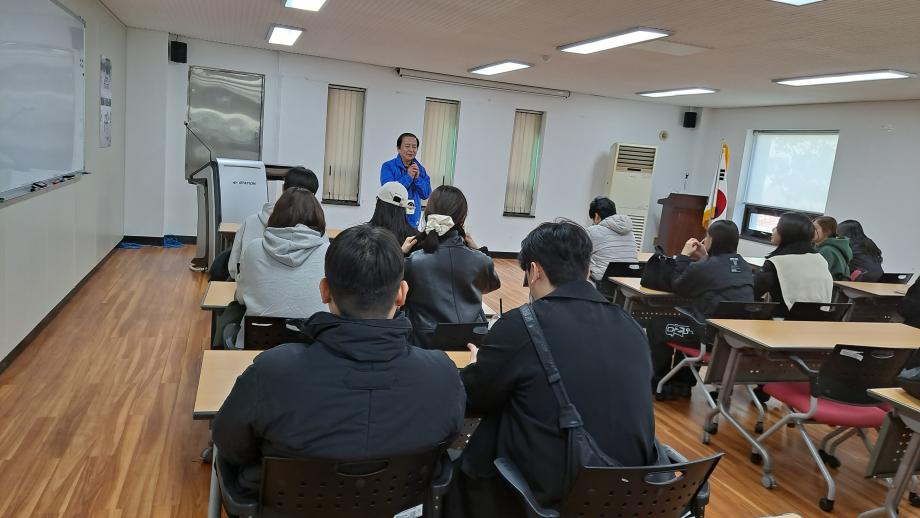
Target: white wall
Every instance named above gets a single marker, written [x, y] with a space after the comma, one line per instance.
[49, 242]
[578, 135]
[875, 180]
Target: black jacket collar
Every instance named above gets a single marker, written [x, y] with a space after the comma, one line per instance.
[582, 290]
[368, 340]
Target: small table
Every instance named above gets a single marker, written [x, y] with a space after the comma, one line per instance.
[907, 409]
[632, 291]
[787, 337]
[883, 295]
[217, 296]
[227, 231]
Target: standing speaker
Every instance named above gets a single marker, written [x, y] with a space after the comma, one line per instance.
[689, 119]
[178, 51]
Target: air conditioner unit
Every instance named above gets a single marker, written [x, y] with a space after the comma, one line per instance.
[629, 183]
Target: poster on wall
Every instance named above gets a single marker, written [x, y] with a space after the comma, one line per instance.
[105, 102]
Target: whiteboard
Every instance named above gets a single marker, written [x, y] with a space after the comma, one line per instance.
[42, 93]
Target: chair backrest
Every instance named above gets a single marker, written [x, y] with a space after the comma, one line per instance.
[454, 337]
[346, 489]
[656, 491]
[895, 278]
[624, 269]
[260, 333]
[745, 310]
[851, 370]
[819, 311]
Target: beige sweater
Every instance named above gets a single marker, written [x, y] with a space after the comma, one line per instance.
[803, 278]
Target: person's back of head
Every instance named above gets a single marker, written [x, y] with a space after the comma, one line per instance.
[827, 226]
[562, 249]
[391, 209]
[297, 206]
[601, 207]
[447, 201]
[301, 177]
[853, 230]
[794, 233]
[723, 237]
[364, 273]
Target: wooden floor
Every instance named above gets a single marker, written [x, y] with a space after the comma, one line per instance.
[96, 413]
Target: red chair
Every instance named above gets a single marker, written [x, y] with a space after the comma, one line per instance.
[836, 396]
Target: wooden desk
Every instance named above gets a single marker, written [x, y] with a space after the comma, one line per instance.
[857, 290]
[218, 295]
[907, 409]
[632, 291]
[333, 233]
[228, 228]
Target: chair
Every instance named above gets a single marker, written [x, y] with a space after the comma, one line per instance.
[449, 336]
[895, 278]
[618, 269]
[836, 396]
[603, 491]
[260, 333]
[819, 311]
[293, 488]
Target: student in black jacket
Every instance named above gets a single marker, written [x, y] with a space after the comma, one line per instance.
[866, 265]
[909, 307]
[357, 389]
[602, 357]
[707, 273]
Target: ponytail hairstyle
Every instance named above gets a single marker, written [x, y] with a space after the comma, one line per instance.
[446, 200]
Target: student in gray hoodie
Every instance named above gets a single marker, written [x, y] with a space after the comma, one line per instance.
[280, 273]
[611, 235]
[254, 225]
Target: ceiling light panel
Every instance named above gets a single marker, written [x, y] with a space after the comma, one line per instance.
[499, 68]
[306, 5]
[849, 77]
[282, 35]
[696, 90]
[617, 39]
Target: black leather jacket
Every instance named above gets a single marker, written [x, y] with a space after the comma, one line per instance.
[447, 286]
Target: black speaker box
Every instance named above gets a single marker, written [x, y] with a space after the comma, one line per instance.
[689, 119]
[178, 51]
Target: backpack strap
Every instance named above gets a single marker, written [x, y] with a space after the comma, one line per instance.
[568, 414]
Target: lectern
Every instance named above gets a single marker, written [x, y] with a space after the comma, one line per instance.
[681, 219]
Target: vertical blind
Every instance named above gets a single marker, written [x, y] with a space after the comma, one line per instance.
[526, 143]
[344, 132]
[439, 138]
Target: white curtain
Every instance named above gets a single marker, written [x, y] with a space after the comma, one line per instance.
[439, 140]
[344, 132]
[526, 145]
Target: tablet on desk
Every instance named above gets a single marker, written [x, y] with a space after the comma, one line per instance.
[454, 337]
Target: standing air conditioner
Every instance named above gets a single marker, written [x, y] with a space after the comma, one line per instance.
[629, 183]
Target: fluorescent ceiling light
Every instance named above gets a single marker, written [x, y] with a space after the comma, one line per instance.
[499, 68]
[681, 91]
[850, 77]
[617, 39]
[281, 35]
[480, 83]
[306, 5]
[797, 2]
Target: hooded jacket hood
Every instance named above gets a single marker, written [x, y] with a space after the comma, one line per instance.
[266, 213]
[619, 223]
[841, 244]
[291, 246]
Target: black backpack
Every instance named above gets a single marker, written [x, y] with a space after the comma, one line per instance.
[659, 270]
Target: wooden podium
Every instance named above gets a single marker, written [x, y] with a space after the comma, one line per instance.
[681, 219]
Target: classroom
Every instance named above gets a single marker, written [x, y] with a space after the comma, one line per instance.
[460, 259]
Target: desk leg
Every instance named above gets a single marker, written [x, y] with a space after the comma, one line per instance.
[627, 305]
[214, 495]
[213, 327]
[901, 479]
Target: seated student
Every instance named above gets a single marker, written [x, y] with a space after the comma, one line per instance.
[909, 306]
[602, 357]
[707, 273]
[393, 204]
[356, 389]
[254, 225]
[794, 271]
[835, 249]
[866, 265]
[449, 276]
[611, 236]
[279, 272]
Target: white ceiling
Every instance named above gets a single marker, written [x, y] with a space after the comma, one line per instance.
[750, 42]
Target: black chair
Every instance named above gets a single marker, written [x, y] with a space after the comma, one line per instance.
[260, 333]
[678, 490]
[618, 269]
[294, 488]
[454, 337]
[819, 311]
[895, 278]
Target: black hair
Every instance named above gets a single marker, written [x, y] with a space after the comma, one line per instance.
[724, 236]
[393, 218]
[364, 266]
[796, 234]
[298, 206]
[399, 139]
[603, 207]
[562, 249]
[853, 230]
[446, 200]
[301, 177]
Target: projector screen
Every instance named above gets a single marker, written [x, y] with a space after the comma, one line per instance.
[41, 94]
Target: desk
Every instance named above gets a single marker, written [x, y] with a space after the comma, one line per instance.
[333, 233]
[227, 231]
[785, 337]
[653, 302]
[756, 262]
[876, 301]
[907, 409]
[218, 295]
[858, 290]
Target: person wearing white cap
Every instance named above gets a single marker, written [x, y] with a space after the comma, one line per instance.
[393, 204]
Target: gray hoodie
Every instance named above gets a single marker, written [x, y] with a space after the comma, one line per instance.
[613, 241]
[280, 273]
[251, 228]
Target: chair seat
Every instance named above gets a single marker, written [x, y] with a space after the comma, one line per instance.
[689, 350]
[798, 396]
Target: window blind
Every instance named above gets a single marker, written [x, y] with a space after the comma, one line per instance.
[526, 145]
[439, 138]
[344, 137]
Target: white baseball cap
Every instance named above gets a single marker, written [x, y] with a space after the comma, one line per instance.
[395, 193]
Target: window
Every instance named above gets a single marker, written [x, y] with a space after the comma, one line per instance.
[439, 153]
[787, 171]
[344, 136]
[526, 145]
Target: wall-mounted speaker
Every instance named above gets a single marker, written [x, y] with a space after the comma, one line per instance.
[178, 52]
[689, 119]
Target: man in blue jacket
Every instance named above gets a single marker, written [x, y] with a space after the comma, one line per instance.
[406, 170]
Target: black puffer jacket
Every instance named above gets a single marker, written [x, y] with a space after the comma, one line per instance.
[725, 277]
[866, 262]
[447, 286]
